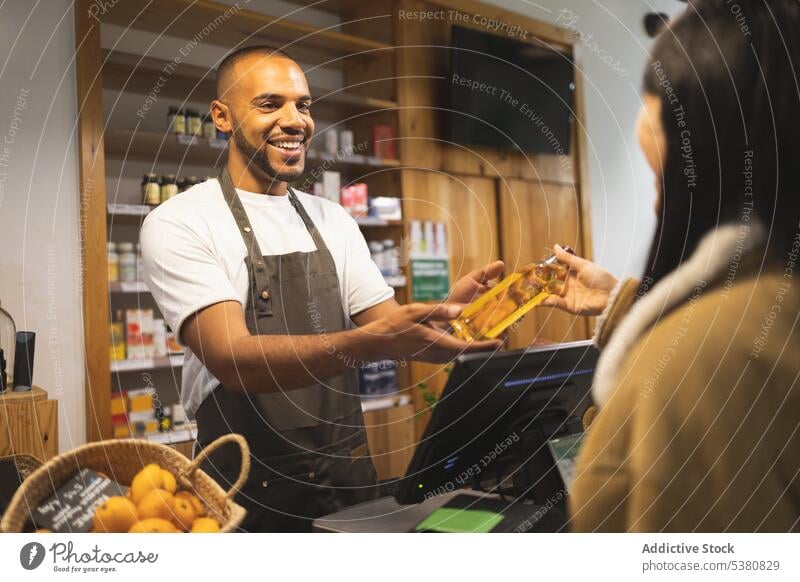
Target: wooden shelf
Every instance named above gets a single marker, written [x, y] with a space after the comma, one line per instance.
[371, 221]
[137, 212]
[372, 403]
[223, 25]
[172, 361]
[156, 147]
[137, 287]
[131, 210]
[172, 437]
[134, 74]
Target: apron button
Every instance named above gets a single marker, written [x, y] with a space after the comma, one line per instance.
[264, 483]
[247, 229]
[312, 475]
[265, 295]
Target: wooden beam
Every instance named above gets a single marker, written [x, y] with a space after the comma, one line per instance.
[535, 28]
[227, 25]
[93, 223]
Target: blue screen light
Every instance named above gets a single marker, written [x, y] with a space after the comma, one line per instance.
[547, 378]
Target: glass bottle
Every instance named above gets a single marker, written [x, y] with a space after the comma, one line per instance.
[151, 189]
[506, 303]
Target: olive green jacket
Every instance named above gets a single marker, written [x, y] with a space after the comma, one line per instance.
[699, 425]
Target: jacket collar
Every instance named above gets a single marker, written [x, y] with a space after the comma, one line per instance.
[720, 253]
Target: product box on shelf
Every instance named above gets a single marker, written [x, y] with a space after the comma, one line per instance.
[378, 378]
[331, 185]
[354, 199]
[383, 142]
[139, 326]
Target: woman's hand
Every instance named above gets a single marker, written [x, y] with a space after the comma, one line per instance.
[588, 286]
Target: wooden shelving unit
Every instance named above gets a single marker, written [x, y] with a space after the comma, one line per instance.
[228, 26]
[126, 144]
[393, 72]
[340, 48]
[144, 364]
[138, 74]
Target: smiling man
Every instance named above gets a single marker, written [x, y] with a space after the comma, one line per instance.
[274, 295]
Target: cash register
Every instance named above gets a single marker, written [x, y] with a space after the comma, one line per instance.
[498, 453]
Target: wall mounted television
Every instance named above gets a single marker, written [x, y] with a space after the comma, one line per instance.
[509, 94]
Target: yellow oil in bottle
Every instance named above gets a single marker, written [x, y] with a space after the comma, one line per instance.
[507, 302]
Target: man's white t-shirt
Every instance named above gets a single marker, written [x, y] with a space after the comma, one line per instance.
[193, 256]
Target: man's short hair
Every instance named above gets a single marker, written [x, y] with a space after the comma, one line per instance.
[225, 68]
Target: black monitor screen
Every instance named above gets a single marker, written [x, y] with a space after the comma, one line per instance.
[509, 94]
[500, 410]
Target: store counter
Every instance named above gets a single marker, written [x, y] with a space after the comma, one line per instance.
[385, 515]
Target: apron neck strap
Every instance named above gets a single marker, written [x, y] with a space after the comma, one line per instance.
[243, 222]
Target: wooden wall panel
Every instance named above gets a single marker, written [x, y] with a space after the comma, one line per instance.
[534, 217]
[422, 63]
[91, 160]
[466, 204]
[390, 434]
[29, 427]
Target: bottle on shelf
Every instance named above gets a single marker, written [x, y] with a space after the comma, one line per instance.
[117, 347]
[177, 121]
[391, 258]
[139, 263]
[113, 263]
[507, 302]
[169, 187]
[209, 129]
[151, 189]
[194, 123]
[127, 263]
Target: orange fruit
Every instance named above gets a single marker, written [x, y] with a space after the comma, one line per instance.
[169, 481]
[183, 514]
[205, 525]
[157, 503]
[115, 515]
[149, 478]
[193, 499]
[153, 525]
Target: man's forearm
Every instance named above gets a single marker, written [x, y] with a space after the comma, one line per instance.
[271, 363]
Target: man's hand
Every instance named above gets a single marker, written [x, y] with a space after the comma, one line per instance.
[468, 288]
[409, 332]
[588, 286]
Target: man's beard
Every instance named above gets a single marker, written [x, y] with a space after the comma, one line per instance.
[261, 159]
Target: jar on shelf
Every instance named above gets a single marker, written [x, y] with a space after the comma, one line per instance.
[177, 121]
[151, 189]
[194, 123]
[113, 263]
[127, 262]
[391, 258]
[139, 263]
[209, 129]
[169, 187]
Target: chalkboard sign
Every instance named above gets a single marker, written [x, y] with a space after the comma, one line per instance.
[71, 507]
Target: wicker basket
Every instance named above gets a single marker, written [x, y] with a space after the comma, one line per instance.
[26, 464]
[121, 460]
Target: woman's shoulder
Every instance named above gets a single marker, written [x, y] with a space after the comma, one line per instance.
[709, 341]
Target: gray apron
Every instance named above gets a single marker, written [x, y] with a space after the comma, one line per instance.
[308, 445]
